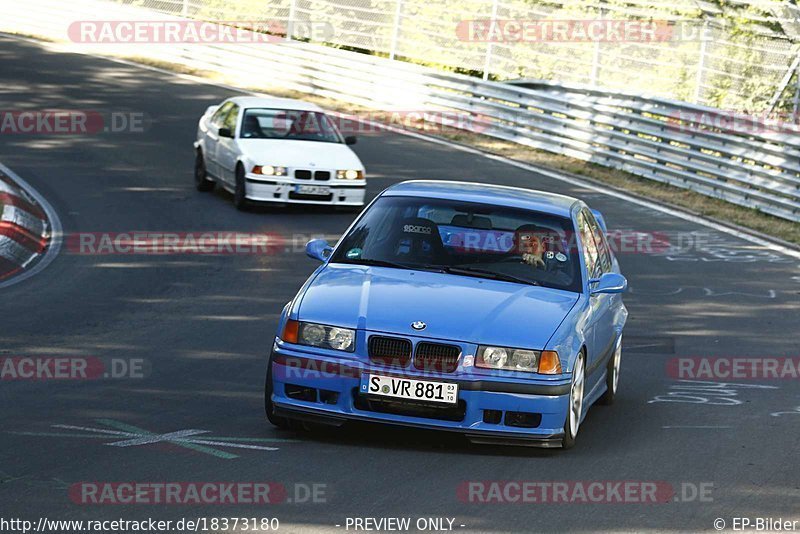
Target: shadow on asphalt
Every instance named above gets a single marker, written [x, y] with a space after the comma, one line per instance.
[377, 436]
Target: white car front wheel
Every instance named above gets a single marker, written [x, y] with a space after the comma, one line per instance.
[240, 189]
[201, 180]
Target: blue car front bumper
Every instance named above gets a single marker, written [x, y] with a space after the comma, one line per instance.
[326, 389]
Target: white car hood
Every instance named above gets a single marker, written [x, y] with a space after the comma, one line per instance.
[302, 154]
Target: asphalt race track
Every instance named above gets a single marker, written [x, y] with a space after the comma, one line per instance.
[204, 324]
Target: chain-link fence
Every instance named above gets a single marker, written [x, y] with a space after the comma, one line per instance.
[727, 53]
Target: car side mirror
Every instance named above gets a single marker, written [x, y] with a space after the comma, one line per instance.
[608, 283]
[318, 249]
[225, 132]
[350, 140]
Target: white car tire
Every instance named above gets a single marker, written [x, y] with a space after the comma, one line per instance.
[240, 190]
[201, 179]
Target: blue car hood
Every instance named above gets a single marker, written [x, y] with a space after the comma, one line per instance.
[457, 308]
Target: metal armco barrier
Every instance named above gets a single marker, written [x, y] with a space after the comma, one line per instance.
[683, 145]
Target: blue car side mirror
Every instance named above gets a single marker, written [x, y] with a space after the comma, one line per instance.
[608, 283]
[318, 249]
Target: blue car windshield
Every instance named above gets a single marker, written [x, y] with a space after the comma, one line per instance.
[465, 239]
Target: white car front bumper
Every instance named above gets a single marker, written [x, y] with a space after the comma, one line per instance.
[284, 190]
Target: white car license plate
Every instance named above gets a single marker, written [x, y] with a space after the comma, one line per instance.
[406, 388]
[312, 190]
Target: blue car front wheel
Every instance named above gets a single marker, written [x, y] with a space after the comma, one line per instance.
[575, 406]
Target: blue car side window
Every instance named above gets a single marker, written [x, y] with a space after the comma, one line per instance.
[601, 244]
[588, 247]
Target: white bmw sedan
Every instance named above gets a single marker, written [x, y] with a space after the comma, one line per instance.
[277, 150]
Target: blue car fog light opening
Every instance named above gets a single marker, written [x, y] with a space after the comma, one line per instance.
[327, 337]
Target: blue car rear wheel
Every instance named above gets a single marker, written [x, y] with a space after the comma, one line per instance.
[612, 376]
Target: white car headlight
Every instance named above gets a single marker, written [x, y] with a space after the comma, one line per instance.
[508, 359]
[350, 174]
[327, 337]
[269, 170]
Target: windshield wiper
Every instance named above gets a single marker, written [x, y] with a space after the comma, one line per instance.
[308, 139]
[376, 263]
[486, 273]
[394, 265]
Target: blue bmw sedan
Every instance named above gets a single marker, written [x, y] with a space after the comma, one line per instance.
[487, 310]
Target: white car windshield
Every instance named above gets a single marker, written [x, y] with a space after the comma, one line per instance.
[299, 125]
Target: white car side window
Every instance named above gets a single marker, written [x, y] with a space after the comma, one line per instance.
[218, 118]
[231, 119]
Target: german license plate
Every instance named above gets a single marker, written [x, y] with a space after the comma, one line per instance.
[407, 388]
[317, 190]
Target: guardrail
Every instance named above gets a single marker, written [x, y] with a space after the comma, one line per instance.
[655, 138]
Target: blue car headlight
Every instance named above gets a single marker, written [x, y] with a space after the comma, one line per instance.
[508, 359]
[327, 337]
